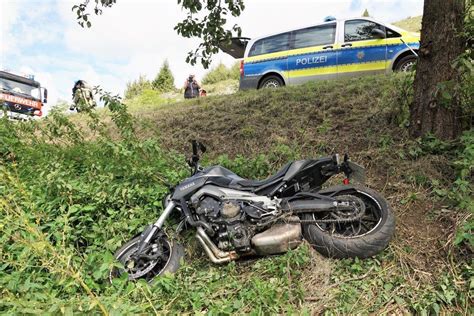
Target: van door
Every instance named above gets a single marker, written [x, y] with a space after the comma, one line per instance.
[313, 54]
[235, 47]
[363, 48]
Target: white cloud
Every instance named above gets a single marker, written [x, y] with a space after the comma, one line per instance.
[8, 16]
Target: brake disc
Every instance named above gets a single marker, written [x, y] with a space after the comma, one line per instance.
[153, 252]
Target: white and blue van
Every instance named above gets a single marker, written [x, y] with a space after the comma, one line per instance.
[337, 48]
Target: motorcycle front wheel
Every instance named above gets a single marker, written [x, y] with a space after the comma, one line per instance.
[361, 238]
[162, 256]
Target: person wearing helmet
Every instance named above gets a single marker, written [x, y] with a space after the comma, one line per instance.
[191, 87]
[82, 96]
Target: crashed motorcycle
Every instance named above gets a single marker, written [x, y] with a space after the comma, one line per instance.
[235, 217]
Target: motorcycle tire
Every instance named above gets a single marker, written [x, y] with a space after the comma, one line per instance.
[172, 265]
[364, 245]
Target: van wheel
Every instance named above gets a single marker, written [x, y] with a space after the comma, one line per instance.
[406, 64]
[271, 82]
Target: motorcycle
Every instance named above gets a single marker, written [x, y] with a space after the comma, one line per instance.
[235, 217]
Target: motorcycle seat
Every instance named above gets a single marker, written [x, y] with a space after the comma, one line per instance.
[259, 183]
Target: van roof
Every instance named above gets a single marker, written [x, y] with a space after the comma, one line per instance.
[395, 28]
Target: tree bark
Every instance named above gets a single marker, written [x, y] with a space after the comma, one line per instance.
[440, 46]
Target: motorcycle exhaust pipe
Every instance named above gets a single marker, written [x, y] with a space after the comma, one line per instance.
[214, 253]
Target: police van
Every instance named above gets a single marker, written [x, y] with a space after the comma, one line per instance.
[333, 49]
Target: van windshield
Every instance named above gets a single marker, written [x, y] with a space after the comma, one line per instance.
[8, 85]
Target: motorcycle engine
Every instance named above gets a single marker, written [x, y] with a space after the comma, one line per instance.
[232, 221]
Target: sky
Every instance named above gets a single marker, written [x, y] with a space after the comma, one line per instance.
[134, 37]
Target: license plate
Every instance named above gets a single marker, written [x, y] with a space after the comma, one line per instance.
[358, 172]
[15, 116]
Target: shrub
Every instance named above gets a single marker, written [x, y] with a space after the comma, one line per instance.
[221, 73]
[164, 80]
[136, 87]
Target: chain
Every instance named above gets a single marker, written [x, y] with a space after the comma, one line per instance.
[324, 221]
[359, 205]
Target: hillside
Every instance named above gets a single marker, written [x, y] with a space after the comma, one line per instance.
[103, 183]
[151, 99]
[410, 24]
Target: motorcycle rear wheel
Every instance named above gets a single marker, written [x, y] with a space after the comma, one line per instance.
[172, 253]
[361, 239]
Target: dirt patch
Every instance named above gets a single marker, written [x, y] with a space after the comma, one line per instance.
[316, 282]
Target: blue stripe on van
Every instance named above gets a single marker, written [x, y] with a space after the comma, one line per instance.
[312, 60]
[261, 67]
[361, 54]
[393, 50]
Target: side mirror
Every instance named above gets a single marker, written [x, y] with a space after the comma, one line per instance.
[45, 95]
[378, 33]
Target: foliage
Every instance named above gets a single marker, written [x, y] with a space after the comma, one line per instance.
[61, 106]
[221, 73]
[147, 99]
[369, 286]
[460, 90]
[461, 190]
[366, 13]
[69, 200]
[164, 81]
[136, 87]
[68, 204]
[399, 99]
[205, 20]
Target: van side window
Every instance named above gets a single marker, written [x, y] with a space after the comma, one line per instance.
[270, 44]
[314, 36]
[360, 30]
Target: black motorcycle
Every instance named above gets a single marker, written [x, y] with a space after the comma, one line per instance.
[235, 217]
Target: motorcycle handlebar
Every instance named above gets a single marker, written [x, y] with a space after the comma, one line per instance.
[193, 162]
[195, 147]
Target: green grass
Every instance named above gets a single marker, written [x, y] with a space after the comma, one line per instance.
[152, 99]
[72, 193]
[412, 24]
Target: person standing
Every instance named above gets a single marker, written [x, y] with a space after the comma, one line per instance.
[191, 87]
[82, 96]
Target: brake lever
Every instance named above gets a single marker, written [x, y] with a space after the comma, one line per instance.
[202, 147]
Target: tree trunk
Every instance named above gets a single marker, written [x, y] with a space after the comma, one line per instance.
[440, 46]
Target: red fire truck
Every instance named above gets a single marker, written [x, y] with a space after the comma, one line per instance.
[21, 97]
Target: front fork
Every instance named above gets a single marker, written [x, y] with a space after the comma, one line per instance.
[148, 234]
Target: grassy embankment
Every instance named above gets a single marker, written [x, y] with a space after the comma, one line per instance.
[410, 24]
[72, 195]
